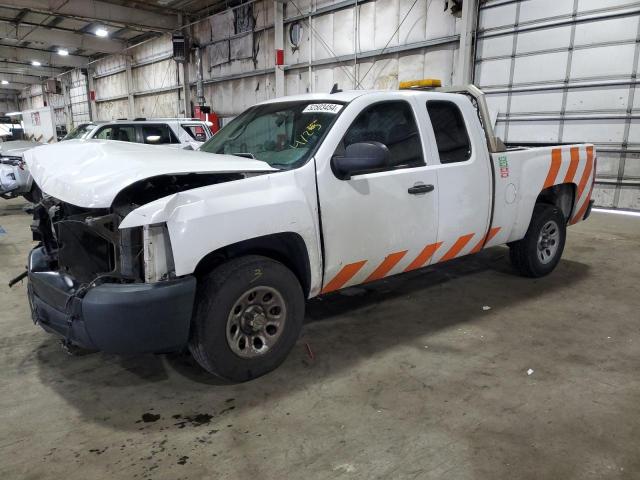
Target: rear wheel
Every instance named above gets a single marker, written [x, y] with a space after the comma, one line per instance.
[538, 253]
[248, 316]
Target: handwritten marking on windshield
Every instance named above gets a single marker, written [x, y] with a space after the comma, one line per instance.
[309, 130]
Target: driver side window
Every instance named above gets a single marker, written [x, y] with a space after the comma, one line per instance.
[392, 124]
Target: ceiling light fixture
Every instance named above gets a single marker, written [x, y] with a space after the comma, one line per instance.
[35, 63]
[5, 82]
[101, 32]
[63, 52]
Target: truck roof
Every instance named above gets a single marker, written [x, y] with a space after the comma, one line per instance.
[346, 96]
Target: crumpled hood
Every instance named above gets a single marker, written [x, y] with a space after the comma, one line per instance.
[90, 173]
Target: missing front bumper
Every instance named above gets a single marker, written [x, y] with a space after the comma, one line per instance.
[111, 317]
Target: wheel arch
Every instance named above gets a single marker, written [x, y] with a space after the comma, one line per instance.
[288, 248]
[561, 195]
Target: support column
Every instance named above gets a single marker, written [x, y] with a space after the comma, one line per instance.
[464, 72]
[278, 42]
[67, 103]
[186, 90]
[184, 66]
[132, 106]
[48, 96]
[93, 113]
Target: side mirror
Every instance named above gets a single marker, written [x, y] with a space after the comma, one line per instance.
[359, 158]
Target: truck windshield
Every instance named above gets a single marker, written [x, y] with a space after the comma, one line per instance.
[80, 131]
[282, 134]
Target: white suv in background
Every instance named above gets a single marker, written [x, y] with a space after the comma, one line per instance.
[183, 133]
[172, 132]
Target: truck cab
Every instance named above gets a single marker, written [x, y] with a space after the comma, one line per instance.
[296, 197]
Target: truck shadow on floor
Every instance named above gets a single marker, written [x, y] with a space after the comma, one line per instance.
[342, 330]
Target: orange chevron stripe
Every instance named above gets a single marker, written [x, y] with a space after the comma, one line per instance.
[554, 168]
[457, 247]
[585, 174]
[573, 166]
[480, 245]
[583, 209]
[387, 264]
[423, 257]
[343, 276]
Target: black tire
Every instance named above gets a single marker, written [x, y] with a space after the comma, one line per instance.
[526, 254]
[220, 291]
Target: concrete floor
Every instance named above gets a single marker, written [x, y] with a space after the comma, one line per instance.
[410, 378]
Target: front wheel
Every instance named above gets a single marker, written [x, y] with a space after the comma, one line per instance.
[538, 253]
[248, 316]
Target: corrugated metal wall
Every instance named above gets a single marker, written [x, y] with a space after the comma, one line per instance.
[155, 82]
[79, 105]
[559, 71]
[374, 44]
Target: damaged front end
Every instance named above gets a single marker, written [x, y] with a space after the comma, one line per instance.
[104, 288]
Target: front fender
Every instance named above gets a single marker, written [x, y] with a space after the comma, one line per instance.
[206, 219]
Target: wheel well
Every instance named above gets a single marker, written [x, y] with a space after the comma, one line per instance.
[287, 248]
[562, 196]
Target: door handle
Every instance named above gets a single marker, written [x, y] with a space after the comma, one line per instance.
[419, 189]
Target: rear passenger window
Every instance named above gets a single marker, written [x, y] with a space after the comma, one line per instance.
[158, 134]
[450, 130]
[125, 133]
[391, 123]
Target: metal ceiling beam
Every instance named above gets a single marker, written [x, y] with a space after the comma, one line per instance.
[98, 11]
[15, 78]
[11, 88]
[22, 69]
[23, 55]
[59, 38]
[23, 13]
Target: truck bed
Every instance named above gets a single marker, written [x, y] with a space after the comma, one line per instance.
[522, 173]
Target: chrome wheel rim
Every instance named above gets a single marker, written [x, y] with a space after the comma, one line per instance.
[256, 322]
[548, 241]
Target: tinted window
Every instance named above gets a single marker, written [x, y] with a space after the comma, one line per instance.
[393, 124]
[450, 130]
[197, 132]
[158, 134]
[125, 133]
[105, 133]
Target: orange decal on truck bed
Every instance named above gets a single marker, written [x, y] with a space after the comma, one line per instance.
[585, 174]
[573, 166]
[556, 161]
[583, 208]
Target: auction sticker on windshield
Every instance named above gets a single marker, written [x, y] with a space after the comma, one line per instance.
[323, 108]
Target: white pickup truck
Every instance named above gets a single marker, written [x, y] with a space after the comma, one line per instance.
[156, 250]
